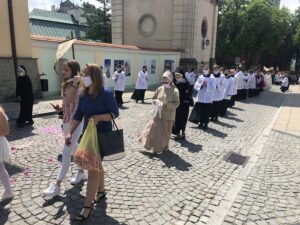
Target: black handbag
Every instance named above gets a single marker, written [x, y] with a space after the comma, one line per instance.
[195, 115]
[111, 144]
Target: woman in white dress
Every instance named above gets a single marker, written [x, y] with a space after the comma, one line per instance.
[4, 156]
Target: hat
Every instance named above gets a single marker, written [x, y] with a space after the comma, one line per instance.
[168, 75]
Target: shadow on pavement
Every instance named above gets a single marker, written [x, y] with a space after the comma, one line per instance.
[13, 169]
[4, 213]
[20, 133]
[234, 119]
[224, 124]
[170, 159]
[73, 203]
[194, 148]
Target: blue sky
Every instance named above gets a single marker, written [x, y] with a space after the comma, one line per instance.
[46, 4]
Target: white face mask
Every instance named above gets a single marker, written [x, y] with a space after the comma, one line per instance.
[87, 81]
[167, 85]
[21, 74]
[205, 72]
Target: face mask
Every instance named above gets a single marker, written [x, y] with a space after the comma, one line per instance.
[216, 72]
[21, 74]
[205, 72]
[179, 80]
[87, 81]
[167, 85]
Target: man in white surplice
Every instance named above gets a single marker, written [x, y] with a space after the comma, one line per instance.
[141, 85]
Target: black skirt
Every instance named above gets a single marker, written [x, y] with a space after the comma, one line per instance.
[182, 113]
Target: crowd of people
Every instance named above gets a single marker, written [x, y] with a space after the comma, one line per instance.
[85, 97]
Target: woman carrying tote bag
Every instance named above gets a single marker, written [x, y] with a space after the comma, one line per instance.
[96, 103]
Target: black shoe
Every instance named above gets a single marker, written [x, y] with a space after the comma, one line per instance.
[177, 137]
[183, 136]
[205, 127]
[100, 195]
[200, 125]
[81, 217]
[30, 123]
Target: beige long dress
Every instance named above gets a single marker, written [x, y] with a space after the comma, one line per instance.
[157, 133]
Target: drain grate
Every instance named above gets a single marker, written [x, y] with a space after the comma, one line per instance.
[236, 158]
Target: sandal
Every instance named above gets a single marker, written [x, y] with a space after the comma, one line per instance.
[100, 196]
[81, 217]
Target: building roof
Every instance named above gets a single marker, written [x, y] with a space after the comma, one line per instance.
[57, 17]
[98, 44]
[55, 24]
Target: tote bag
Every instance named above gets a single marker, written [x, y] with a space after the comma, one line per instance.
[111, 144]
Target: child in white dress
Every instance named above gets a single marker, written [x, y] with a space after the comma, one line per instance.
[4, 156]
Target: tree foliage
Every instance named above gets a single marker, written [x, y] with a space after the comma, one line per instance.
[98, 20]
[247, 28]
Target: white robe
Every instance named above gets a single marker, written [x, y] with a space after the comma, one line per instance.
[241, 81]
[142, 81]
[251, 81]
[104, 80]
[205, 93]
[191, 77]
[119, 79]
[285, 82]
[220, 88]
[230, 90]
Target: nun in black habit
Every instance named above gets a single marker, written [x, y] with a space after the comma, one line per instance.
[25, 94]
[186, 100]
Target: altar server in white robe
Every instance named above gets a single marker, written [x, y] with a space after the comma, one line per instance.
[219, 94]
[242, 85]
[191, 78]
[119, 78]
[228, 93]
[251, 84]
[205, 87]
[141, 85]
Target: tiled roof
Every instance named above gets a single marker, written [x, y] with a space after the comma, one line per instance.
[54, 24]
[59, 30]
[39, 14]
[98, 44]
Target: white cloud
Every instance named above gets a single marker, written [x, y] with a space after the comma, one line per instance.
[46, 4]
[291, 4]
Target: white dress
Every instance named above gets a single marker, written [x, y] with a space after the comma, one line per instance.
[5, 150]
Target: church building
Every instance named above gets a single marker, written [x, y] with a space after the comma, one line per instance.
[189, 26]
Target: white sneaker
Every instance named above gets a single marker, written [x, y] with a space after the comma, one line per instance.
[7, 196]
[81, 176]
[52, 191]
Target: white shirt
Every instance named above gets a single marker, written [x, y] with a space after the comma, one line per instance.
[191, 77]
[104, 80]
[205, 93]
[119, 79]
[241, 80]
[285, 82]
[251, 81]
[229, 91]
[142, 81]
[220, 88]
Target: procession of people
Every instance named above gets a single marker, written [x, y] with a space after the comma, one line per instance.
[87, 99]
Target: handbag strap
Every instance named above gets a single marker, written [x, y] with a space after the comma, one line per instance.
[114, 122]
[115, 125]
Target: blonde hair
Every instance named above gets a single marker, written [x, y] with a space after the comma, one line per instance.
[96, 74]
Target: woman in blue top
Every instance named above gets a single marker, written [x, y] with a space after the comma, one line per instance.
[96, 103]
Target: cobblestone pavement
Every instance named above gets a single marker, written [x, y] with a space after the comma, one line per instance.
[183, 186]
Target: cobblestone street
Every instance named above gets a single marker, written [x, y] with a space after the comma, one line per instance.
[191, 184]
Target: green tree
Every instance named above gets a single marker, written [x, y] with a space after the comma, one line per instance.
[98, 21]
